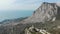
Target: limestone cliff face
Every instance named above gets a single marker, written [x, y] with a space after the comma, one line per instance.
[46, 12]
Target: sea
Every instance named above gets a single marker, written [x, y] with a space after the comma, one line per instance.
[12, 14]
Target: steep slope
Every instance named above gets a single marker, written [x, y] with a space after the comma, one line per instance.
[7, 21]
[12, 22]
[46, 12]
[47, 16]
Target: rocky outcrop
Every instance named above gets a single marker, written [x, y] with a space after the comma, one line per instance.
[33, 30]
[46, 12]
[47, 17]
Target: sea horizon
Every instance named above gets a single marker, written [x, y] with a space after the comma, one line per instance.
[13, 14]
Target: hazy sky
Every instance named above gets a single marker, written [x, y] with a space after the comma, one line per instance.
[18, 4]
[22, 4]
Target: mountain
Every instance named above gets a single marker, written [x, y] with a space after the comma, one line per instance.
[7, 21]
[12, 21]
[46, 12]
[46, 17]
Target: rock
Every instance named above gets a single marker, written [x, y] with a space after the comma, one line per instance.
[46, 12]
[34, 30]
[44, 17]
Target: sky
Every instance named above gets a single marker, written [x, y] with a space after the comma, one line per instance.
[19, 8]
[22, 4]
[18, 4]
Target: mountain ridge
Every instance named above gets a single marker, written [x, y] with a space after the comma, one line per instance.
[45, 17]
[44, 13]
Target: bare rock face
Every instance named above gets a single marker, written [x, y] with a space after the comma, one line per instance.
[46, 12]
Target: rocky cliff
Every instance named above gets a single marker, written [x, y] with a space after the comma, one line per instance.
[46, 12]
[47, 17]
